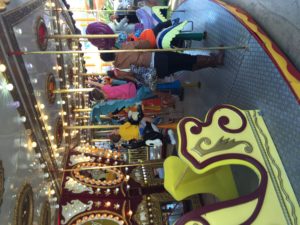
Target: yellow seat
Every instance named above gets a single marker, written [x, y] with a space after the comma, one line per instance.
[207, 149]
[181, 182]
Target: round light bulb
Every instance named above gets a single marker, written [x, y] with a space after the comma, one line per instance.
[33, 144]
[2, 68]
[9, 87]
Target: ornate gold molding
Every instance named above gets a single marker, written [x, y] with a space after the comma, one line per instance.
[24, 209]
[1, 182]
[45, 217]
[3, 4]
[221, 145]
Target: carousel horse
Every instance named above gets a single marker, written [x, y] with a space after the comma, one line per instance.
[164, 38]
[206, 150]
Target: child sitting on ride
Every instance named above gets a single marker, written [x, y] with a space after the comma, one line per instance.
[145, 133]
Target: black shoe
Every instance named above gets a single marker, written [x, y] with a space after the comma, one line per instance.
[181, 94]
[204, 35]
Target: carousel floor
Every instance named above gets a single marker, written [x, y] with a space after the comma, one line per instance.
[280, 19]
[249, 80]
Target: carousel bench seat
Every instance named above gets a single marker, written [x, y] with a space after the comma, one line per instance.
[230, 136]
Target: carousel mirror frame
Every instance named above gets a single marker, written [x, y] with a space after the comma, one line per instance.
[24, 193]
[45, 214]
[50, 95]
[41, 22]
[1, 182]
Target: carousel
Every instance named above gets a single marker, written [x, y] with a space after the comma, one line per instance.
[145, 113]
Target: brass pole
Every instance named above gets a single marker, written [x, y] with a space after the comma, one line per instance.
[100, 140]
[78, 36]
[87, 117]
[116, 166]
[90, 127]
[100, 10]
[131, 50]
[75, 90]
[82, 110]
[92, 74]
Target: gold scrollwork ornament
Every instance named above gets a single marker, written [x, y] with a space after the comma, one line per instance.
[3, 4]
[221, 145]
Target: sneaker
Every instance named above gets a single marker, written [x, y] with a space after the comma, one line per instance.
[181, 94]
[156, 142]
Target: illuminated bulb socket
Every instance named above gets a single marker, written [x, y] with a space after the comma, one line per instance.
[56, 43]
[2, 68]
[41, 106]
[57, 68]
[54, 199]
[45, 117]
[49, 127]
[33, 144]
[52, 192]
[18, 31]
[38, 155]
[128, 187]
[22, 119]
[56, 206]
[34, 80]
[29, 66]
[56, 155]
[52, 138]
[42, 166]
[48, 4]
[46, 175]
